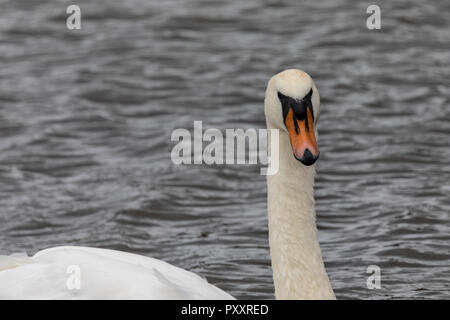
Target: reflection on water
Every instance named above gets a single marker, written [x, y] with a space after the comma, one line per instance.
[86, 118]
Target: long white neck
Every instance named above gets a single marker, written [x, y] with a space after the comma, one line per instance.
[298, 269]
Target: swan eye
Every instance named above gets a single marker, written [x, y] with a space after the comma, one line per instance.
[286, 103]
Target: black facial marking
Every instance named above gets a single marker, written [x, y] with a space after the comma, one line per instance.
[297, 128]
[299, 107]
[285, 104]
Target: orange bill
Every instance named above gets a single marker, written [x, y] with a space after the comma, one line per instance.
[302, 137]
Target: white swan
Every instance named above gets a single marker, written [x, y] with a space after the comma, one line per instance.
[292, 106]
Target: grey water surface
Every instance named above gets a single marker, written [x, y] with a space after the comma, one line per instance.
[86, 118]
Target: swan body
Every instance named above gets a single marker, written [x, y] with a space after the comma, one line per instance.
[292, 106]
[103, 274]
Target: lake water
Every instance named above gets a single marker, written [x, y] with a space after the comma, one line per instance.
[86, 118]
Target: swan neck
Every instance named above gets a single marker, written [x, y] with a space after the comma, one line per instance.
[298, 268]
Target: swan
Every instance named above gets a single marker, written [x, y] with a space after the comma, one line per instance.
[292, 107]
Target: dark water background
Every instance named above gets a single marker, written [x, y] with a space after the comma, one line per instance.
[86, 118]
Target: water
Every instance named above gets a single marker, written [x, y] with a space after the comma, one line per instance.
[86, 118]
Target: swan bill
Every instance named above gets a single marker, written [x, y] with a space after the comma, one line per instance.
[302, 137]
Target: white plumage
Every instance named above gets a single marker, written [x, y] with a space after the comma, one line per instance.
[104, 274]
[297, 264]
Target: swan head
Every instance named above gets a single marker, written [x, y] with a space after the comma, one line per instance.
[292, 105]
